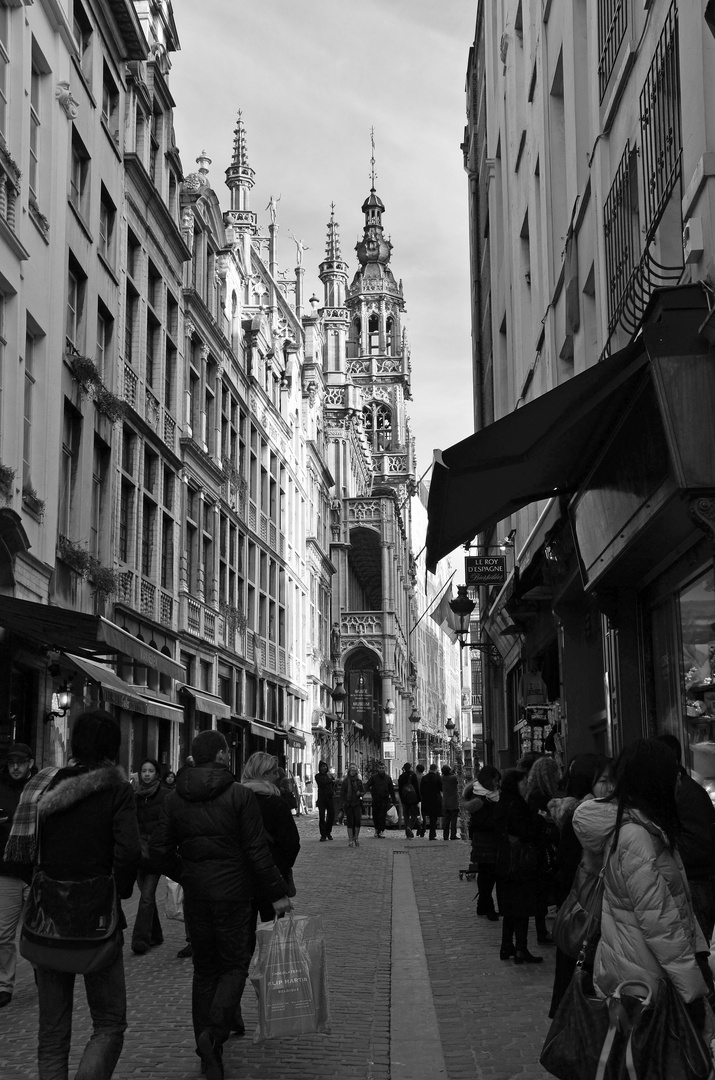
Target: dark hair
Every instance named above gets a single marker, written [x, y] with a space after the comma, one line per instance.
[150, 761]
[407, 767]
[206, 746]
[527, 760]
[488, 776]
[419, 768]
[673, 744]
[583, 773]
[446, 770]
[96, 737]
[510, 781]
[646, 774]
[320, 765]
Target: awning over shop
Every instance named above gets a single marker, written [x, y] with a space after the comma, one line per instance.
[295, 738]
[121, 693]
[263, 730]
[208, 703]
[85, 635]
[540, 450]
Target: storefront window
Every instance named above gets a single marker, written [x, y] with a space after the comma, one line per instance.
[697, 623]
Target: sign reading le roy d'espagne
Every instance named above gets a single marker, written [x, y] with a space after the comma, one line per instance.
[485, 569]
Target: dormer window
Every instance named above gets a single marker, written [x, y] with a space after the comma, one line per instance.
[377, 419]
[374, 334]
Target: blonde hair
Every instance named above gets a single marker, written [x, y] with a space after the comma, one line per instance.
[259, 765]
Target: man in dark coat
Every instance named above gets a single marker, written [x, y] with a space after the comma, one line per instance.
[13, 778]
[382, 789]
[87, 829]
[210, 839]
[431, 799]
[696, 840]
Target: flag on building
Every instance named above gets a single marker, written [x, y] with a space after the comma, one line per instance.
[445, 617]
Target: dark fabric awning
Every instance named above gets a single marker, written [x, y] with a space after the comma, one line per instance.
[208, 703]
[295, 738]
[263, 730]
[540, 450]
[119, 692]
[83, 634]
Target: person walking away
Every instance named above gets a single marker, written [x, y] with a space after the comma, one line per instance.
[352, 791]
[648, 929]
[543, 786]
[325, 783]
[260, 774]
[419, 773]
[82, 820]
[13, 887]
[210, 838]
[431, 800]
[590, 776]
[450, 803]
[482, 795]
[382, 789]
[516, 895]
[408, 791]
[150, 794]
[696, 839]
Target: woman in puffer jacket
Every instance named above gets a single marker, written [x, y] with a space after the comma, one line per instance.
[648, 930]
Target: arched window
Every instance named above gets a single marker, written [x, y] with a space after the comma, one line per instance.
[378, 426]
[389, 335]
[373, 328]
[356, 337]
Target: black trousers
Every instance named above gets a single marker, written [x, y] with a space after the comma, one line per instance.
[223, 938]
[326, 817]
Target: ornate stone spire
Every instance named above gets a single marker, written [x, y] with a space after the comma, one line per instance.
[332, 244]
[239, 175]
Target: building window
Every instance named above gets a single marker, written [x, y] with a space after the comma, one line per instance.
[374, 334]
[4, 68]
[378, 426]
[35, 127]
[82, 29]
[107, 221]
[390, 335]
[74, 329]
[612, 25]
[167, 552]
[100, 466]
[129, 320]
[110, 104]
[71, 429]
[133, 256]
[152, 350]
[661, 140]
[622, 234]
[30, 375]
[148, 525]
[105, 337]
[79, 177]
[125, 511]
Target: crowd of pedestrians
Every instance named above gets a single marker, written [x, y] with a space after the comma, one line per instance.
[641, 822]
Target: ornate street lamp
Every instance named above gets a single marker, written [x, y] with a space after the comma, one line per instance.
[463, 606]
[414, 719]
[338, 695]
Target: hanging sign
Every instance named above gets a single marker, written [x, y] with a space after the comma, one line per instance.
[485, 569]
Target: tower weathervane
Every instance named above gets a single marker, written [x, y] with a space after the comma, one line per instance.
[373, 174]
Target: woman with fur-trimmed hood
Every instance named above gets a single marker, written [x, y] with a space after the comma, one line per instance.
[77, 823]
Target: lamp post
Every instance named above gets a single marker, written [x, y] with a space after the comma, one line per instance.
[450, 726]
[414, 719]
[338, 695]
[463, 606]
[389, 710]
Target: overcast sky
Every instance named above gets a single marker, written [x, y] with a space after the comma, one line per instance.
[312, 77]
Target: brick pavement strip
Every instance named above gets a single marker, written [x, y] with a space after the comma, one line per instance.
[491, 1015]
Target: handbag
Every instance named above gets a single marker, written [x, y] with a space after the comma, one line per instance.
[516, 860]
[174, 900]
[71, 926]
[289, 974]
[578, 921]
[625, 1036]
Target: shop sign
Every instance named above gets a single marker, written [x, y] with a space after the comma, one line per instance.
[388, 751]
[360, 696]
[485, 569]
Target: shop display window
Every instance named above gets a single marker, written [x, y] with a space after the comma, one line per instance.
[683, 666]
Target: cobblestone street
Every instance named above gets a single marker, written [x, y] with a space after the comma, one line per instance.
[491, 1016]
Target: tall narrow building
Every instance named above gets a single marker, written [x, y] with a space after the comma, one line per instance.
[371, 454]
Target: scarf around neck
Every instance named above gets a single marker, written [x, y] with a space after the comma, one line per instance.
[22, 842]
[261, 787]
[147, 790]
